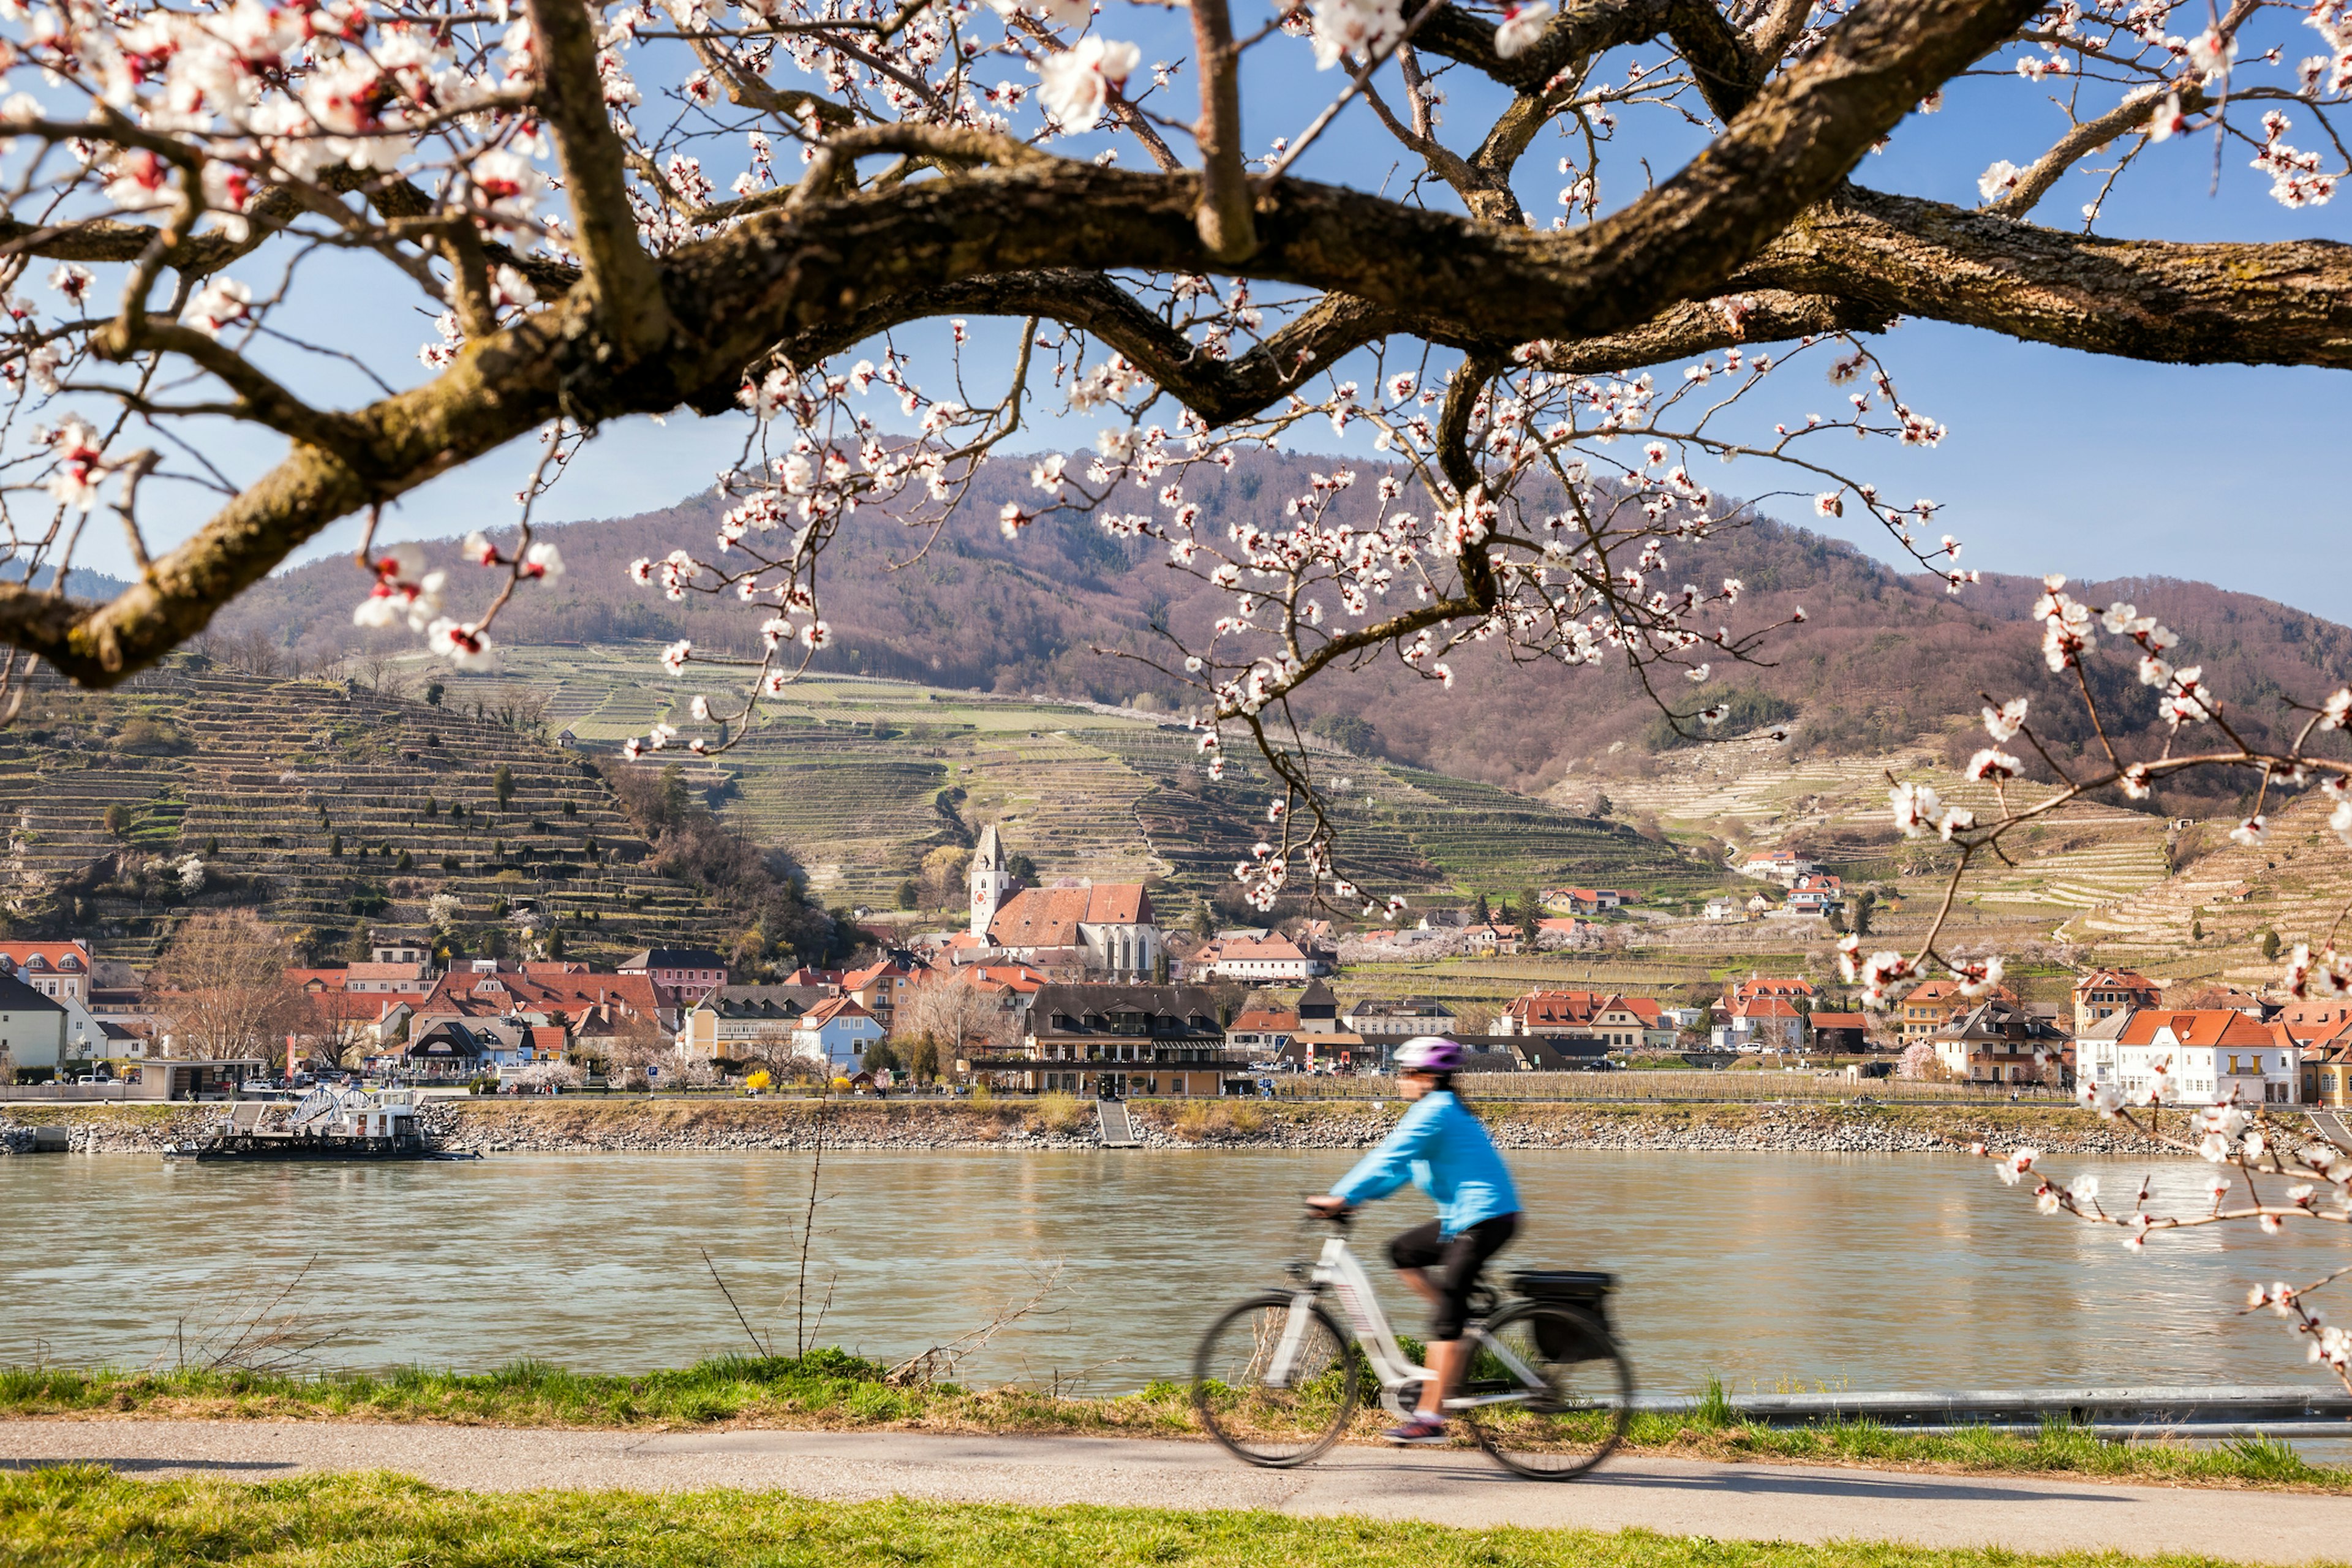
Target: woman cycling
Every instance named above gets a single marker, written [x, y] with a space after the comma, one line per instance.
[1442, 1149]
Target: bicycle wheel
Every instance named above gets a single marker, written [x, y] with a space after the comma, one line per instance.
[1275, 1382]
[1574, 1392]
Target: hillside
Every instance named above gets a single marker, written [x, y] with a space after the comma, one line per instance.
[301, 798]
[1885, 658]
[859, 777]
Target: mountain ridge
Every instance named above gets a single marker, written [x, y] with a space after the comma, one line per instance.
[1884, 658]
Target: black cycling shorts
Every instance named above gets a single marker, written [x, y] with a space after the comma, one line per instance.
[1453, 1263]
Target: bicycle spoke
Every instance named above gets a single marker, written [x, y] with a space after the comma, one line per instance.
[1274, 1380]
[1574, 1392]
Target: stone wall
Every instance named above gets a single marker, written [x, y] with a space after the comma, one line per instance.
[651, 1126]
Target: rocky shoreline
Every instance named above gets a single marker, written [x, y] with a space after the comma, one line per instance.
[580, 1127]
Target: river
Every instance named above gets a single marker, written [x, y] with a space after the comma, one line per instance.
[1774, 1272]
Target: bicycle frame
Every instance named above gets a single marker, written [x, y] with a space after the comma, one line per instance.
[1338, 1273]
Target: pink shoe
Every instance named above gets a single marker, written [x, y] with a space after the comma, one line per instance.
[1418, 1428]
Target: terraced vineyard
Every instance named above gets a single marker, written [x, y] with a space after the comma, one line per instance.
[2297, 884]
[1747, 791]
[861, 777]
[327, 805]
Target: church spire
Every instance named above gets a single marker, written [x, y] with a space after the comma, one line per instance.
[990, 880]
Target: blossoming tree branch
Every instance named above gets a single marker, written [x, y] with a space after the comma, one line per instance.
[1543, 379]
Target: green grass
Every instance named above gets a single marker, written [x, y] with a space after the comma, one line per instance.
[832, 1390]
[87, 1515]
[826, 1384]
[1711, 1431]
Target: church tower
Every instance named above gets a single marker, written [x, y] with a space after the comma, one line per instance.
[990, 880]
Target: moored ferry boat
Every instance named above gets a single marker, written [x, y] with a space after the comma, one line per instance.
[325, 1124]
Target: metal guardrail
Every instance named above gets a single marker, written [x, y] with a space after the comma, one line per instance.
[2223, 1411]
[1694, 1086]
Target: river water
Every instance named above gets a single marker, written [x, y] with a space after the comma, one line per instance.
[1774, 1271]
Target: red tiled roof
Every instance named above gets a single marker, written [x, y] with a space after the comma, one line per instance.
[1274, 950]
[2115, 980]
[1009, 976]
[2316, 1023]
[888, 969]
[1050, 917]
[474, 995]
[1555, 1008]
[1841, 1021]
[59, 955]
[1766, 985]
[832, 1007]
[2206, 1027]
[1265, 1020]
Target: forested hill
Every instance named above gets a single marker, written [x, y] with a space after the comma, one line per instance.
[1883, 658]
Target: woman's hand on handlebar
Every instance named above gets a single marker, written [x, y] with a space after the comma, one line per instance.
[1327, 1205]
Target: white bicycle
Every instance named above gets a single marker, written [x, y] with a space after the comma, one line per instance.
[1546, 1392]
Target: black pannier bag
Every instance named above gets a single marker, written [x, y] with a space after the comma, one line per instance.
[1587, 1292]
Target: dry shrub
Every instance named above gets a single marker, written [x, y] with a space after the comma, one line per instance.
[1059, 1112]
[1198, 1119]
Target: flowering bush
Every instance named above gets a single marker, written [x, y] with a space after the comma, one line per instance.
[549, 1077]
[1919, 1061]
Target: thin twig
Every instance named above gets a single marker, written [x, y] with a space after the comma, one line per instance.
[764, 1352]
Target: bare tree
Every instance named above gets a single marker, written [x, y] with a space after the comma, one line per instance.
[946, 875]
[337, 1036]
[381, 673]
[637, 1044]
[958, 1014]
[221, 986]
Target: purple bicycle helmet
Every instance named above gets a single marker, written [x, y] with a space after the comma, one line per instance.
[1429, 1053]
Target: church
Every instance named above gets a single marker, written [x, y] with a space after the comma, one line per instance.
[1102, 927]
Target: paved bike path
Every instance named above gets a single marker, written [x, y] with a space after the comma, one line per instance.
[1678, 1497]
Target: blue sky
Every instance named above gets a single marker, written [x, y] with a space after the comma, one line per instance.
[2055, 462]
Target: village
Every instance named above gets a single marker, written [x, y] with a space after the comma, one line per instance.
[1076, 988]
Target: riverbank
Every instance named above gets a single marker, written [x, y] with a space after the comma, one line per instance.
[830, 1391]
[635, 1125]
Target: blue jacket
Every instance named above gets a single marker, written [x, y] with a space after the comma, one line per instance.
[1443, 1151]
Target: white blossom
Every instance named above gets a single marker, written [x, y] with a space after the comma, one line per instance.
[1521, 27]
[1075, 84]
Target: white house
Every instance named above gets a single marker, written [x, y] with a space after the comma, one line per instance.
[32, 1027]
[1815, 894]
[1724, 909]
[837, 1032]
[1276, 958]
[2207, 1057]
[1403, 1016]
[85, 1037]
[1782, 866]
[1761, 1024]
